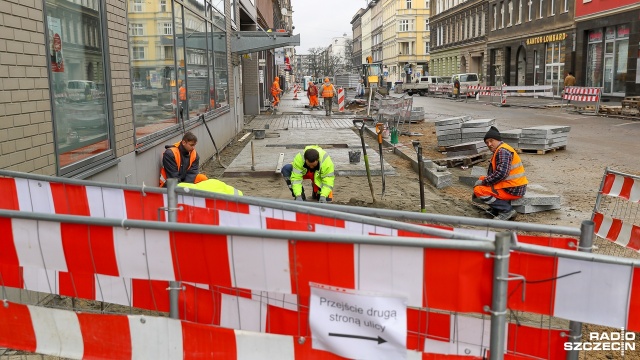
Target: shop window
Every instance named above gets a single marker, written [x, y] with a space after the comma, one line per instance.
[594, 58]
[197, 74]
[82, 127]
[554, 66]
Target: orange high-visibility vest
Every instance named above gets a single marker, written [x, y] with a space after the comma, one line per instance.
[176, 155]
[275, 88]
[327, 91]
[516, 173]
[183, 93]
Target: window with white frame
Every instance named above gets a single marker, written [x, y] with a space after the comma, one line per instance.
[163, 5]
[137, 52]
[426, 25]
[495, 17]
[167, 29]
[552, 11]
[530, 3]
[502, 15]
[426, 47]
[510, 10]
[138, 6]
[541, 3]
[566, 5]
[405, 25]
[426, 4]
[136, 29]
[408, 4]
[519, 11]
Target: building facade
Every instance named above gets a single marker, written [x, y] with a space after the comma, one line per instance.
[356, 28]
[95, 89]
[366, 35]
[607, 46]
[530, 42]
[458, 37]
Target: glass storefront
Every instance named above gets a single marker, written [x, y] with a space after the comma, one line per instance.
[176, 52]
[76, 56]
[607, 55]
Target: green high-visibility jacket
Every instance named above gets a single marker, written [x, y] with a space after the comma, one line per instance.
[324, 176]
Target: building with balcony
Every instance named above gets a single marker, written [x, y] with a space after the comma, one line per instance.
[607, 46]
[458, 37]
[530, 42]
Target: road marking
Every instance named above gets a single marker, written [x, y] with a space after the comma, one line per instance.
[629, 123]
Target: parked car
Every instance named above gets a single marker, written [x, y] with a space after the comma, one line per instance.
[422, 86]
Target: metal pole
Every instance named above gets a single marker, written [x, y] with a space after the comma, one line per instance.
[499, 296]
[418, 147]
[172, 204]
[586, 244]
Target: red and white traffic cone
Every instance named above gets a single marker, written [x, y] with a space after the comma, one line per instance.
[340, 99]
[503, 97]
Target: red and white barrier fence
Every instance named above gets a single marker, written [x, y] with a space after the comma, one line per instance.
[583, 94]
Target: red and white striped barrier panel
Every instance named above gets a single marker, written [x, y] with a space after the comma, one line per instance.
[340, 99]
[296, 89]
[586, 94]
[442, 279]
[440, 88]
[622, 232]
[480, 90]
[100, 336]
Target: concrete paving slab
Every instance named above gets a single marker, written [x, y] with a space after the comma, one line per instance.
[479, 123]
[546, 129]
[337, 143]
[528, 209]
[511, 134]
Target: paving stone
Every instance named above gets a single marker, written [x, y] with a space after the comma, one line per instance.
[484, 123]
[544, 136]
[448, 127]
[529, 209]
[546, 129]
[475, 129]
[449, 137]
[541, 147]
[447, 132]
[532, 198]
[511, 134]
[450, 121]
[468, 180]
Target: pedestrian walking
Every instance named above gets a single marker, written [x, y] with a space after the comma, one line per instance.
[328, 92]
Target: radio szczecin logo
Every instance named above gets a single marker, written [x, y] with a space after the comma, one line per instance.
[622, 341]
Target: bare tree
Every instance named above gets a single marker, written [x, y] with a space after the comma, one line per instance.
[316, 61]
[349, 60]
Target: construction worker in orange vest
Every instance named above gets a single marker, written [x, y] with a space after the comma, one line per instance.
[182, 95]
[181, 161]
[312, 95]
[505, 180]
[328, 92]
[275, 91]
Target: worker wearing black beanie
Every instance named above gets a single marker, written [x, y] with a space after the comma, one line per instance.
[493, 133]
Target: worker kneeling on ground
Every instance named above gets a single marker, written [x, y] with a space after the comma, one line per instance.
[181, 161]
[316, 165]
[505, 180]
[212, 185]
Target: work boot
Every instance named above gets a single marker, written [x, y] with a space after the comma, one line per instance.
[507, 215]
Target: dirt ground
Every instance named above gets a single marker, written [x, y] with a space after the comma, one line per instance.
[402, 192]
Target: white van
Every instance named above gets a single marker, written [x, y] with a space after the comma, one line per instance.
[467, 79]
[81, 90]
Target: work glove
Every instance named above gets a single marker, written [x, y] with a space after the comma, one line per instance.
[478, 183]
[322, 200]
[299, 198]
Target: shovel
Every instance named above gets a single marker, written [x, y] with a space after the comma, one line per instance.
[379, 129]
[364, 153]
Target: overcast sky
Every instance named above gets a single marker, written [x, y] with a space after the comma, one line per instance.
[319, 21]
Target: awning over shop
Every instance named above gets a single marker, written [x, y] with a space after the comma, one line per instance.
[244, 42]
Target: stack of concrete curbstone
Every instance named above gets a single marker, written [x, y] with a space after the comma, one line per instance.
[474, 130]
[544, 137]
[512, 137]
[448, 131]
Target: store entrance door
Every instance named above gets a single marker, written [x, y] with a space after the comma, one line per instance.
[522, 65]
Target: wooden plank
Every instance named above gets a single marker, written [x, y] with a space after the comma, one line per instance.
[244, 137]
[280, 161]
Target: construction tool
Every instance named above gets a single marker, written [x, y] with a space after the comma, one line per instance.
[364, 153]
[214, 142]
[418, 148]
[379, 130]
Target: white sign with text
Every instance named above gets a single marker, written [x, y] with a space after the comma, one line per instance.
[357, 324]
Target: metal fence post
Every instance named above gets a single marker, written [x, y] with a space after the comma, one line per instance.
[585, 245]
[499, 295]
[172, 204]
